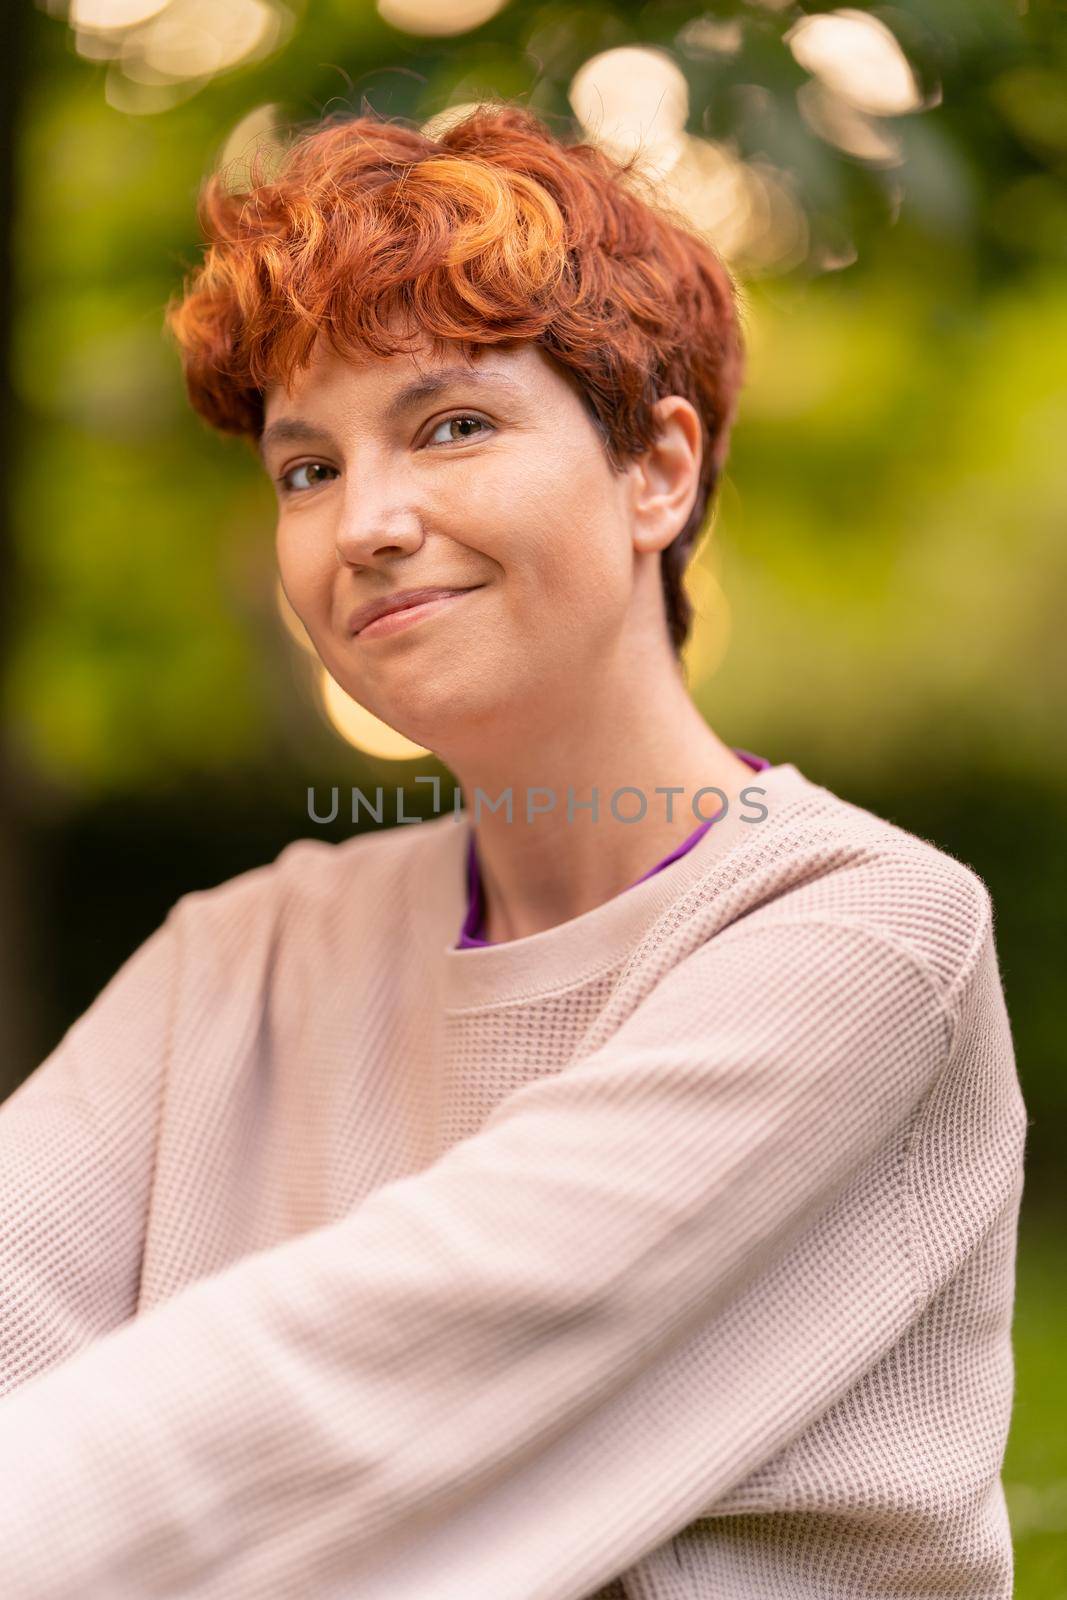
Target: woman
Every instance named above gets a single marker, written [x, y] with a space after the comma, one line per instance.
[615, 1197]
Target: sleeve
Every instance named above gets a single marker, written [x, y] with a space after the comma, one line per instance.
[480, 1382]
[77, 1148]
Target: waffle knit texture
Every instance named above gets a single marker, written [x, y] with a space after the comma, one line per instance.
[664, 1254]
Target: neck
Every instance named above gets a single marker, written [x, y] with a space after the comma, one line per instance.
[550, 862]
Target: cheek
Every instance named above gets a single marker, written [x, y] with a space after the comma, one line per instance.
[585, 559]
[301, 567]
[285, 550]
[548, 514]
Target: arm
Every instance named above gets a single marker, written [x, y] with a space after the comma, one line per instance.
[77, 1147]
[477, 1384]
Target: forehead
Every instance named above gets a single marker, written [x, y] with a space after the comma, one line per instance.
[331, 377]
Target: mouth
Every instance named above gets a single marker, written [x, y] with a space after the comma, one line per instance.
[408, 616]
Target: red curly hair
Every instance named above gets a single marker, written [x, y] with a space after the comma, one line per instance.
[492, 232]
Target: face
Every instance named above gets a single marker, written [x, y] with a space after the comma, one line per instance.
[432, 470]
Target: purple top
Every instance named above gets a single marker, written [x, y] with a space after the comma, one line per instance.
[470, 933]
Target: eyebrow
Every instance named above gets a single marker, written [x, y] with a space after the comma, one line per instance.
[294, 430]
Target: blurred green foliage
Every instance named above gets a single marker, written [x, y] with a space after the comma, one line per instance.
[891, 524]
[1035, 1464]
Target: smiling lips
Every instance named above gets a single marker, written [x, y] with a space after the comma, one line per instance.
[375, 614]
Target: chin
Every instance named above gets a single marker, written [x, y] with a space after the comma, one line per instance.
[446, 716]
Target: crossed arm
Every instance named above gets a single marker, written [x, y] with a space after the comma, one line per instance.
[77, 1147]
[518, 1371]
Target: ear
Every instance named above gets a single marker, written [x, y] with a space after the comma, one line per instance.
[665, 480]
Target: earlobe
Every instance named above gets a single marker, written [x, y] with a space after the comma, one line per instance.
[656, 538]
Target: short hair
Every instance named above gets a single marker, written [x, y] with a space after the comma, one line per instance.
[491, 232]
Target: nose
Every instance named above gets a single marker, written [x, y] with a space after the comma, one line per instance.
[377, 519]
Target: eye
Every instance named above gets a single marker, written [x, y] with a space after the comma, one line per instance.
[311, 467]
[458, 429]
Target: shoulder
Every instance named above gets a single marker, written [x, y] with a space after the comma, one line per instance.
[313, 885]
[828, 859]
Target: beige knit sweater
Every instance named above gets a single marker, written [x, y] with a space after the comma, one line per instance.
[665, 1254]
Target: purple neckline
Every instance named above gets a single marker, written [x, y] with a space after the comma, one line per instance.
[469, 938]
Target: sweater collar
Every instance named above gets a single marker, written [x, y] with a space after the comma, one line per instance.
[576, 951]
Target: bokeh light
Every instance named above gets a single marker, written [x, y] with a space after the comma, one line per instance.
[441, 121]
[840, 123]
[161, 54]
[857, 57]
[361, 728]
[258, 140]
[635, 104]
[440, 17]
[105, 15]
[199, 38]
[354, 723]
[745, 209]
[291, 622]
[633, 101]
